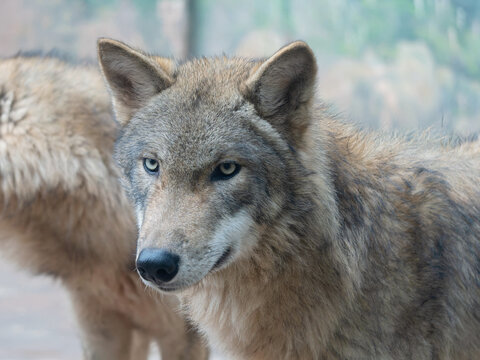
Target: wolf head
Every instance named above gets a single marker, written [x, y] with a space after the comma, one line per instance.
[206, 149]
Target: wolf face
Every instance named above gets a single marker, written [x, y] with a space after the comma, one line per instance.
[206, 149]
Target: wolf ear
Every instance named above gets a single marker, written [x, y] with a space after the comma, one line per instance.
[281, 87]
[132, 76]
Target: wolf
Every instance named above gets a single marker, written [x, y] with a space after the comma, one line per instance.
[285, 232]
[63, 213]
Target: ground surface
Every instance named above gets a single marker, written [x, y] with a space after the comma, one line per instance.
[36, 319]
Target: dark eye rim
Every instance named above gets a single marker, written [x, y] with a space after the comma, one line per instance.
[151, 172]
[218, 175]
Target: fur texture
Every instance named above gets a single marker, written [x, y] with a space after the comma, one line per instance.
[64, 214]
[327, 243]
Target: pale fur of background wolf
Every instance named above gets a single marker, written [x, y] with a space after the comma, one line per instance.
[333, 243]
[63, 213]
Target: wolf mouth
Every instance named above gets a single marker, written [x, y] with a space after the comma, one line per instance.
[165, 289]
[160, 287]
[222, 259]
[157, 286]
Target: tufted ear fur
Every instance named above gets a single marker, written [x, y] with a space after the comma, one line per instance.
[282, 86]
[132, 76]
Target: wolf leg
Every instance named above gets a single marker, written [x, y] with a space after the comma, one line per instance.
[106, 334]
[140, 346]
[183, 344]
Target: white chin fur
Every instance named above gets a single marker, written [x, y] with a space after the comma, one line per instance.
[236, 232]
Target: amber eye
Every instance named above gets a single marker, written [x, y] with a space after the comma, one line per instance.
[225, 171]
[227, 168]
[151, 166]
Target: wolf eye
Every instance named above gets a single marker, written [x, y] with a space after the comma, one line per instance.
[151, 166]
[225, 171]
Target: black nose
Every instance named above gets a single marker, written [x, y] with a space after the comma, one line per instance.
[157, 265]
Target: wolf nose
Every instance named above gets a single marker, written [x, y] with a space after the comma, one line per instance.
[157, 265]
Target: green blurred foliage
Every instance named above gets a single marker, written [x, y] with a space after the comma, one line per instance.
[450, 28]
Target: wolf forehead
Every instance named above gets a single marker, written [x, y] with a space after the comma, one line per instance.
[212, 80]
[204, 94]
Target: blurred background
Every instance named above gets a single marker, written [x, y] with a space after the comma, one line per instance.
[395, 65]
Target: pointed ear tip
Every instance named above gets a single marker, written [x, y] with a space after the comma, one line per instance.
[102, 45]
[300, 45]
[297, 48]
[109, 44]
[102, 41]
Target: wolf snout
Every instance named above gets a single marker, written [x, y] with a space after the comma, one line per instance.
[157, 265]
